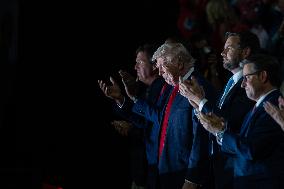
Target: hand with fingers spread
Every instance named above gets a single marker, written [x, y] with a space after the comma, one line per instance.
[191, 90]
[211, 122]
[112, 91]
[122, 127]
[130, 84]
[277, 113]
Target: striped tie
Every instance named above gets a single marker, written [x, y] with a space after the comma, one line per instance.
[227, 88]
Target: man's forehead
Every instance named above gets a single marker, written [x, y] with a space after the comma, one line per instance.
[232, 40]
[141, 55]
[248, 66]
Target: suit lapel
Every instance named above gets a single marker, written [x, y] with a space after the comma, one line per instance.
[251, 118]
[253, 115]
[232, 92]
[163, 100]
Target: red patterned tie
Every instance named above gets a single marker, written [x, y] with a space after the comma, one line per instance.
[166, 119]
[247, 120]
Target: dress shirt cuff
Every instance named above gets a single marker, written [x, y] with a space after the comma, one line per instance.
[121, 106]
[219, 136]
[134, 99]
[201, 104]
[196, 112]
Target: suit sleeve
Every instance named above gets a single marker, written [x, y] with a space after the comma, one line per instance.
[234, 109]
[262, 137]
[199, 165]
[150, 112]
[126, 113]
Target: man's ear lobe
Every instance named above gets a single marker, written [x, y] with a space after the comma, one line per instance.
[246, 52]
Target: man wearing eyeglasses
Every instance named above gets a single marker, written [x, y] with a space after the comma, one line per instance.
[233, 103]
[258, 149]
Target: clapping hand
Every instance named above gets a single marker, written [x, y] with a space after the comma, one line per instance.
[112, 91]
[122, 127]
[130, 84]
[277, 113]
[192, 91]
[211, 122]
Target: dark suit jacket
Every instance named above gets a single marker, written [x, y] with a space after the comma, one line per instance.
[235, 107]
[174, 159]
[151, 97]
[258, 150]
[143, 140]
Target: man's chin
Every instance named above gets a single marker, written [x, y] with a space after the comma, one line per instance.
[249, 95]
[226, 65]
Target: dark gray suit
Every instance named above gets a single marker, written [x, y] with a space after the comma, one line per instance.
[234, 109]
[258, 150]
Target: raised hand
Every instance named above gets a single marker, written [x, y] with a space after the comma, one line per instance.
[130, 84]
[211, 122]
[112, 91]
[277, 113]
[191, 90]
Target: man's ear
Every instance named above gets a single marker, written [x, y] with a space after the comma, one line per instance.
[264, 76]
[246, 52]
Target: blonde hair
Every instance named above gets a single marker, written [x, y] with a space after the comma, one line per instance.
[172, 51]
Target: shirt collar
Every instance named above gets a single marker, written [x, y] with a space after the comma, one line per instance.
[237, 76]
[262, 97]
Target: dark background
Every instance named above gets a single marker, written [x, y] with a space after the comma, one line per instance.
[8, 101]
[63, 133]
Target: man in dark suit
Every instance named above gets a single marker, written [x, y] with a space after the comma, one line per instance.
[233, 103]
[172, 116]
[142, 135]
[258, 150]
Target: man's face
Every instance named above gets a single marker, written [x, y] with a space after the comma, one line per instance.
[252, 82]
[169, 71]
[231, 53]
[143, 67]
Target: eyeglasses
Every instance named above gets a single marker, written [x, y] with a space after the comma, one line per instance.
[246, 77]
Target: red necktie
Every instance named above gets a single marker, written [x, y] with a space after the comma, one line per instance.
[166, 119]
[163, 89]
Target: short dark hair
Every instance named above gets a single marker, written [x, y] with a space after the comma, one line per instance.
[247, 39]
[149, 49]
[264, 62]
